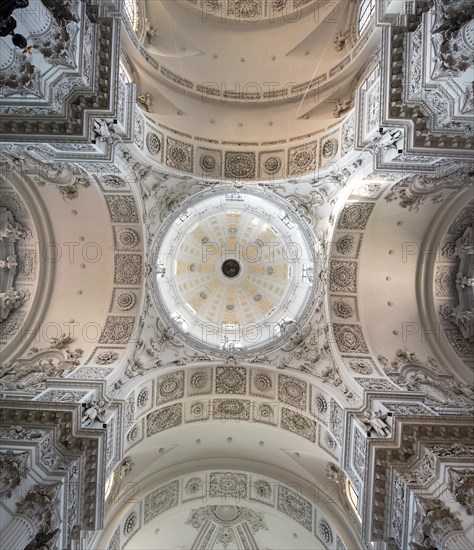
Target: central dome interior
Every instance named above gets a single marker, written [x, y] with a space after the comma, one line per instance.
[234, 271]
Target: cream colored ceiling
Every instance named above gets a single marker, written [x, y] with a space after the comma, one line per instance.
[292, 56]
[73, 264]
[396, 280]
[167, 430]
[256, 451]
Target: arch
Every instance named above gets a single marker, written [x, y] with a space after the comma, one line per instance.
[237, 489]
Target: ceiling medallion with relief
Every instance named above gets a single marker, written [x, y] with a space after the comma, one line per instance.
[234, 271]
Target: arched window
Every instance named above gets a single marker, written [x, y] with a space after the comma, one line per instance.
[352, 496]
[366, 10]
[131, 11]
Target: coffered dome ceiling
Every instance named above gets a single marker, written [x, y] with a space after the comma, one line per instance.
[235, 271]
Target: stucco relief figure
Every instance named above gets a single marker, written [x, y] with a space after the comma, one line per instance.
[60, 342]
[95, 412]
[464, 246]
[58, 173]
[40, 504]
[463, 281]
[12, 161]
[146, 101]
[19, 432]
[104, 131]
[9, 263]
[126, 467]
[341, 107]
[389, 140]
[11, 230]
[13, 470]
[30, 376]
[404, 356]
[464, 391]
[360, 366]
[418, 381]
[134, 368]
[18, 377]
[43, 540]
[375, 421]
[151, 31]
[33, 376]
[12, 299]
[332, 471]
[341, 39]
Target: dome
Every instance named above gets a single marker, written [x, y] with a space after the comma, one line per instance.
[234, 270]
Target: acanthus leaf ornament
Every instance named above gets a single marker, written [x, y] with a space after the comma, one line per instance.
[13, 470]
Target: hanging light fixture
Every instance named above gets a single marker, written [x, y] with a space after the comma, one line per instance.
[8, 22]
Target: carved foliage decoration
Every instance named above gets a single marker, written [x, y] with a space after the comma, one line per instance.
[349, 338]
[228, 484]
[170, 387]
[299, 424]
[159, 501]
[336, 421]
[325, 532]
[345, 244]
[302, 159]
[30, 374]
[434, 522]
[153, 143]
[262, 384]
[233, 409]
[343, 308]
[413, 191]
[461, 484]
[355, 216]
[292, 391]
[40, 504]
[128, 269]
[179, 155]
[165, 418]
[106, 357]
[231, 380]
[343, 276]
[233, 525]
[295, 506]
[122, 208]
[117, 330]
[13, 470]
[239, 165]
[199, 381]
[413, 374]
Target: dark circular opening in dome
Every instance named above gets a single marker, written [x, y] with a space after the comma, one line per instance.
[231, 268]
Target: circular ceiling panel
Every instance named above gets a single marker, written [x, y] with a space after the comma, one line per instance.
[234, 271]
